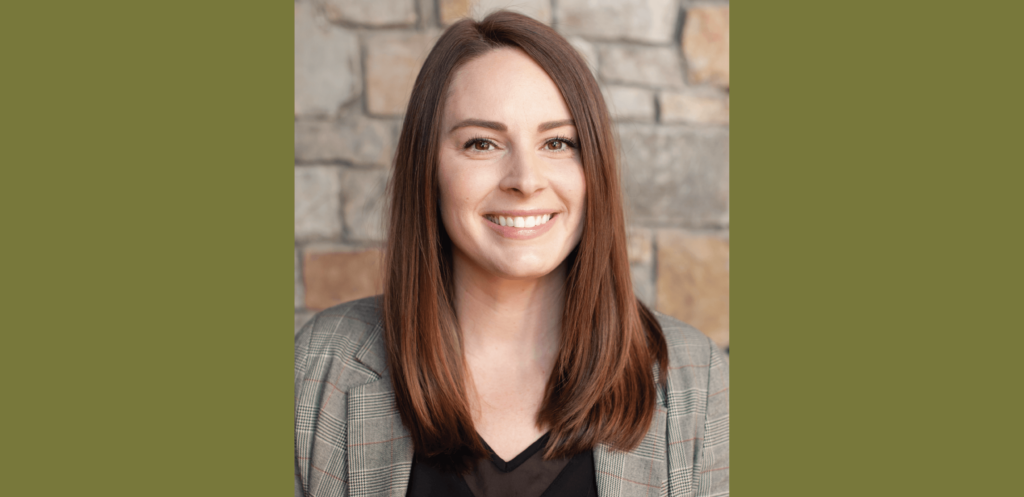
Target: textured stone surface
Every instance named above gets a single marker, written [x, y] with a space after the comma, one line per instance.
[450, 11]
[629, 104]
[327, 70]
[377, 13]
[706, 44]
[317, 203]
[300, 294]
[675, 176]
[353, 138]
[362, 194]
[693, 281]
[638, 245]
[392, 62]
[651, 21]
[694, 108]
[647, 66]
[587, 50]
[333, 277]
[453, 10]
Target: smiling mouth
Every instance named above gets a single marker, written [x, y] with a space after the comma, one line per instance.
[520, 221]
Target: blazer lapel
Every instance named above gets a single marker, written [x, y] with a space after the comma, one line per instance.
[380, 450]
[641, 471]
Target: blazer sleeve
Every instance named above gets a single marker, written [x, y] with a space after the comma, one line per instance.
[302, 339]
[711, 466]
[298, 482]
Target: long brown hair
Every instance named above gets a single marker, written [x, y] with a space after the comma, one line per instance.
[602, 387]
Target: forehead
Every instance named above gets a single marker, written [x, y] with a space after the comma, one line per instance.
[504, 85]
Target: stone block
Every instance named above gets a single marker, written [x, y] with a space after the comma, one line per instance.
[638, 245]
[352, 138]
[334, 277]
[675, 176]
[300, 295]
[629, 104]
[450, 11]
[363, 201]
[301, 318]
[327, 69]
[317, 203]
[694, 108]
[375, 13]
[649, 21]
[587, 50]
[706, 44]
[392, 62]
[693, 281]
[638, 65]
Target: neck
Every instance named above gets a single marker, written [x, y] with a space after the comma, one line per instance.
[497, 315]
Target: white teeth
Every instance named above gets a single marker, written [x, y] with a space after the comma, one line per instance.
[519, 221]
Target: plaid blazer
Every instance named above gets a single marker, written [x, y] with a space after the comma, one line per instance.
[350, 441]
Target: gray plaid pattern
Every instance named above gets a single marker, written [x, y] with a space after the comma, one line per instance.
[350, 441]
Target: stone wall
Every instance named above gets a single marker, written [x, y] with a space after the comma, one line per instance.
[664, 69]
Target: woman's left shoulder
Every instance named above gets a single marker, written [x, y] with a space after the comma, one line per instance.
[694, 360]
[686, 342]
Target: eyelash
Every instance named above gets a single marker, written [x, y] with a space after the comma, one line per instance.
[564, 139]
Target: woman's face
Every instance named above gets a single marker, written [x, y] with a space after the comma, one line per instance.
[509, 156]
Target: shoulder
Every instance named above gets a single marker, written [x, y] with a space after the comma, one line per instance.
[338, 349]
[685, 343]
[693, 357]
[348, 335]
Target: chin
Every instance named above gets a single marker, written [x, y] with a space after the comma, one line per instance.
[524, 271]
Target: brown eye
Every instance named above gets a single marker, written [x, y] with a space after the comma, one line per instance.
[479, 145]
[560, 144]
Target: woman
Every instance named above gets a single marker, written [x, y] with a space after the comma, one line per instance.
[508, 354]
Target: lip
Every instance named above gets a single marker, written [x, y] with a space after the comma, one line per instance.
[513, 233]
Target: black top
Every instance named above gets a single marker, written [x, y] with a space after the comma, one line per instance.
[527, 475]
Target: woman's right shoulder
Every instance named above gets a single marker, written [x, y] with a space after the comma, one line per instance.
[339, 333]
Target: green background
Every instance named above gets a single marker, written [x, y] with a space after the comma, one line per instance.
[146, 194]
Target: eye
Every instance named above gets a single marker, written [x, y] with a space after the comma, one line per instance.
[559, 144]
[479, 145]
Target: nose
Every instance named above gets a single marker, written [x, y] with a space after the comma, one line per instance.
[524, 174]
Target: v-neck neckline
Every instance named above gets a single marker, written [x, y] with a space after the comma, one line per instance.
[507, 466]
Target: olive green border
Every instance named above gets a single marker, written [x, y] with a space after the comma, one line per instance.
[145, 190]
[147, 205]
[876, 248]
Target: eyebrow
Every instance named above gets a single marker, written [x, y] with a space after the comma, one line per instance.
[480, 123]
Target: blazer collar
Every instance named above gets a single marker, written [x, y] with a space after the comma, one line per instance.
[372, 353]
[380, 449]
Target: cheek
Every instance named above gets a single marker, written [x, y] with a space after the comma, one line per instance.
[578, 198]
[574, 187]
[459, 192]
[448, 181]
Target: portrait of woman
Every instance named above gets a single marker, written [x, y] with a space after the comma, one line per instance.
[508, 353]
